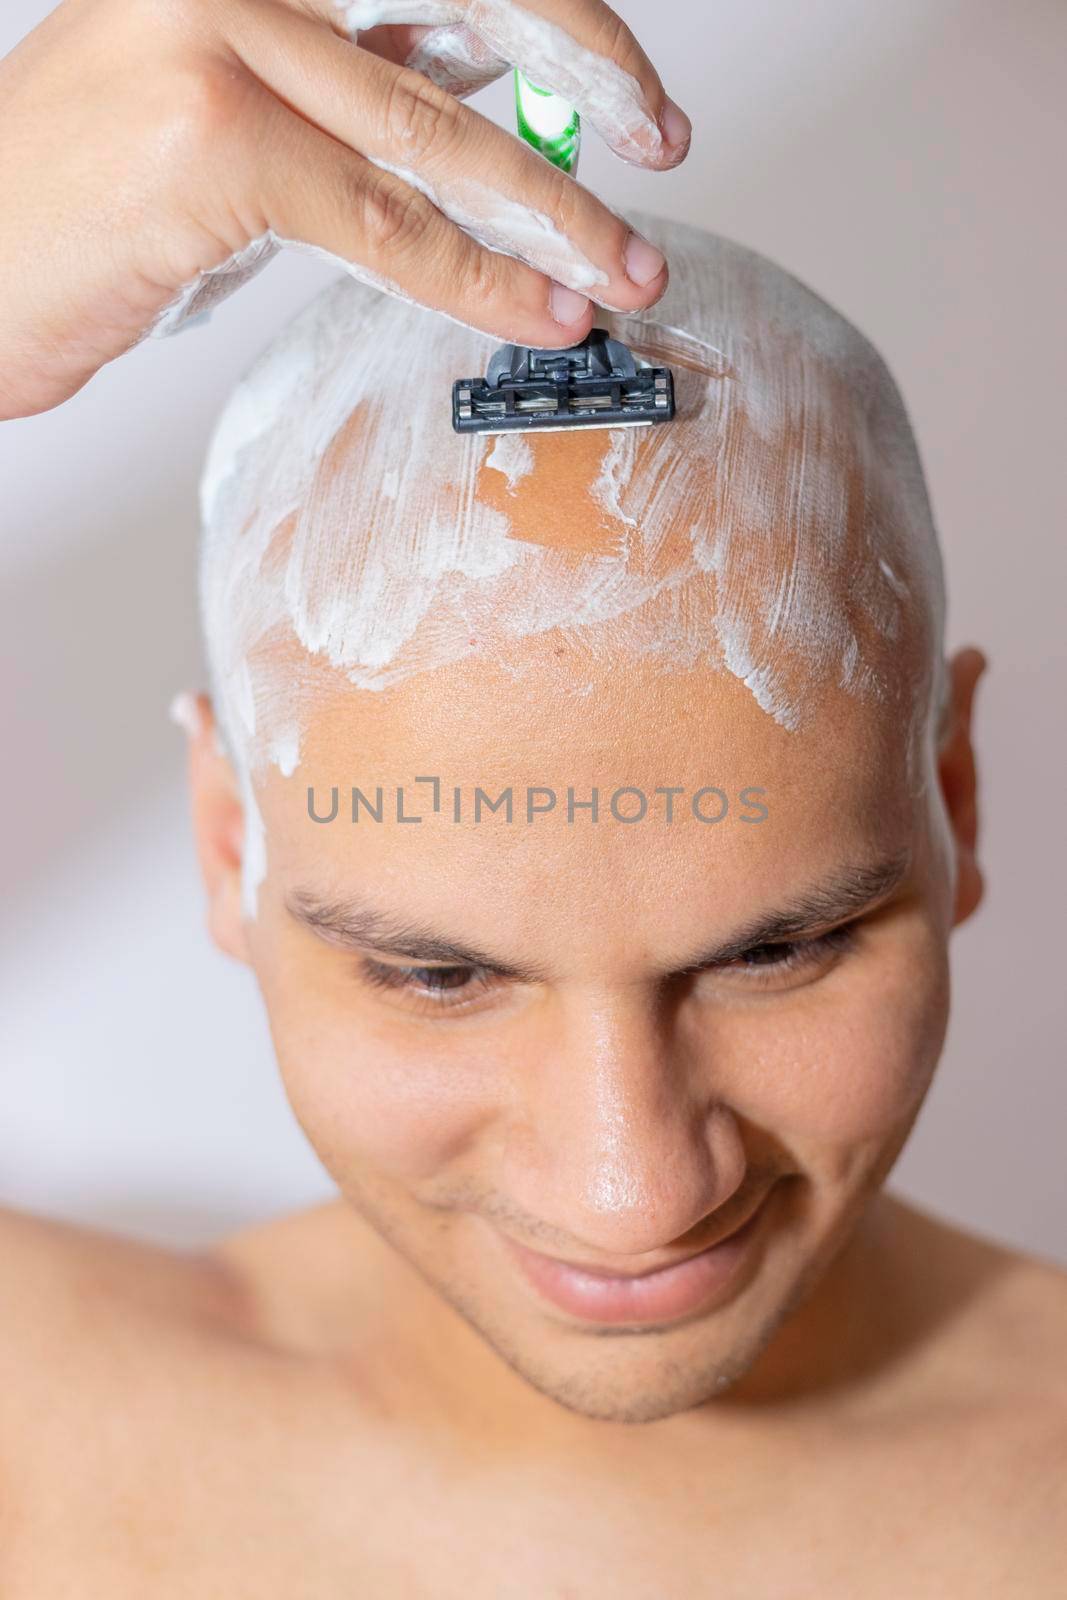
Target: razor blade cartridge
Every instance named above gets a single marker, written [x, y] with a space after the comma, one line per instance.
[598, 383]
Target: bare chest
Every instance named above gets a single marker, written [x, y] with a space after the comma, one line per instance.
[236, 1512]
[928, 1523]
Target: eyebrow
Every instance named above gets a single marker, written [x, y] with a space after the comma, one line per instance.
[354, 924]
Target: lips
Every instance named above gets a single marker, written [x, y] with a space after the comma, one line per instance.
[657, 1294]
[677, 1261]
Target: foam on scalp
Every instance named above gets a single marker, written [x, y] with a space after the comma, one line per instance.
[779, 529]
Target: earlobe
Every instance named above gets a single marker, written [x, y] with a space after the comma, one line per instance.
[959, 780]
[218, 823]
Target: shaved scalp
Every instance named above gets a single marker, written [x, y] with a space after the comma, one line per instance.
[778, 529]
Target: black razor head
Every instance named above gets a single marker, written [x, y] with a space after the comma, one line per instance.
[596, 384]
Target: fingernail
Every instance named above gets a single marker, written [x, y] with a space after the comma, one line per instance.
[643, 261]
[567, 305]
[676, 126]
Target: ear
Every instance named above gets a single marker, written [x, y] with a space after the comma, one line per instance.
[218, 822]
[958, 778]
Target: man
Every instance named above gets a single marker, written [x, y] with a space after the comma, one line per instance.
[594, 809]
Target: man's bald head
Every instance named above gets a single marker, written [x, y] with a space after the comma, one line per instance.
[777, 530]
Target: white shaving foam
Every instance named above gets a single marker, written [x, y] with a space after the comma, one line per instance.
[505, 225]
[185, 713]
[512, 455]
[502, 225]
[456, 60]
[202, 294]
[614, 474]
[197, 299]
[254, 845]
[778, 529]
[610, 97]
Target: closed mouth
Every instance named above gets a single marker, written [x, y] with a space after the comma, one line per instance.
[614, 1274]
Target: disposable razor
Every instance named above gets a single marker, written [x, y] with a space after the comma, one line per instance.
[598, 383]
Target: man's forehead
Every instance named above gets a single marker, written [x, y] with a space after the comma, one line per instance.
[495, 762]
[416, 832]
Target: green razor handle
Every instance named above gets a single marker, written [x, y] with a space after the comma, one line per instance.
[547, 122]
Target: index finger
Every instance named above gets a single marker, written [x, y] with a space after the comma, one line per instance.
[581, 49]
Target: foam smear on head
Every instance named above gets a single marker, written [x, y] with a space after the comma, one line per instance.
[778, 529]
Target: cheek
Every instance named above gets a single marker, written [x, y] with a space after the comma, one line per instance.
[364, 1101]
[851, 1064]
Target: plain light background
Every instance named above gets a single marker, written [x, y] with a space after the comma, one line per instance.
[907, 161]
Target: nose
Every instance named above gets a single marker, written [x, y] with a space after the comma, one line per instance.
[624, 1145]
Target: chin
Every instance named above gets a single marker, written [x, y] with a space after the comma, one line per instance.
[640, 1384]
[634, 1374]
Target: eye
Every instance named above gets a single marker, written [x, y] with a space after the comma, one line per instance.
[441, 988]
[766, 963]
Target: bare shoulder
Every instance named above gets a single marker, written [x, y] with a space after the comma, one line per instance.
[1005, 1305]
[50, 1267]
[1019, 1339]
[975, 1413]
[1013, 1302]
[1028, 1309]
[995, 1338]
[148, 1426]
[78, 1302]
